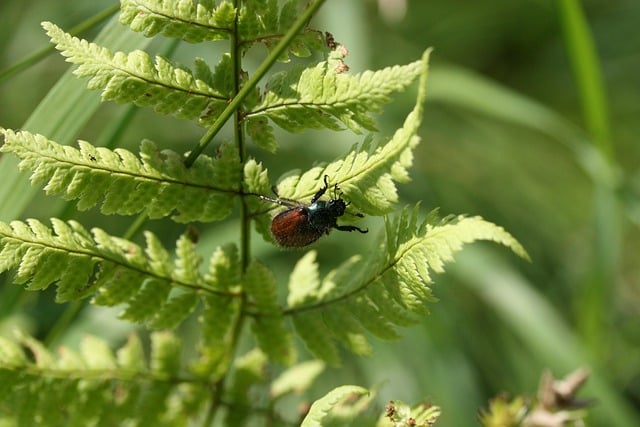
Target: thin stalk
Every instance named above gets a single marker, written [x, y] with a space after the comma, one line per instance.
[595, 296]
[586, 69]
[218, 388]
[69, 315]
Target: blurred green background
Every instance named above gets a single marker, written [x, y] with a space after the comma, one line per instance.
[508, 134]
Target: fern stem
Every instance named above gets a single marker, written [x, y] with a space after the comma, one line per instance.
[253, 81]
[63, 322]
[236, 60]
[219, 386]
[40, 54]
[135, 226]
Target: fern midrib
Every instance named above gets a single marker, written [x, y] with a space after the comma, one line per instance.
[341, 103]
[190, 91]
[118, 172]
[101, 256]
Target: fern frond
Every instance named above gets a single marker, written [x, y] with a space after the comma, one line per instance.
[94, 386]
[158, 183]
[137, 78]
[188, 20]
[386, 291]
[115, 270]
[367, 173]
[321, 97]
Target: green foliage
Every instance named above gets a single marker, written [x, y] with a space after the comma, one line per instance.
[258, 22]
[96, 386]
[318, 97]
[158, 183]
[371, 294]
[137, 78]
[385, 291]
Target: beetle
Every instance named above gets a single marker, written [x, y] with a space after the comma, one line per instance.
[302, 224]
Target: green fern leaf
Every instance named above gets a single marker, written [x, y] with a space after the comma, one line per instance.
[158, 183]
[367, 173]
[188, 20]
[321, 407]
[273, 338]
[217, 319]
[119, 272]
[389, 289]
[256, 181]
[320, 97]
[137, 78]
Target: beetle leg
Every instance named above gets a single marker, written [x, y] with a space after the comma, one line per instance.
[351, 228]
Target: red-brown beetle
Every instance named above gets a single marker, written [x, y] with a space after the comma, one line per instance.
[303, 224]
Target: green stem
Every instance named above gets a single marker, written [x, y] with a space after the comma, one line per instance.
[594, 299]
[253, 81]
[62, 323]
[42, 53]
[586, 69]
[234, 108]
[217, 391]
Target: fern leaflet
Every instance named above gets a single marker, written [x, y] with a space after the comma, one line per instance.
[381, 293]
[322, 97]
[157, 184]
[259, 21]
[189, 20]
[137, 78]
